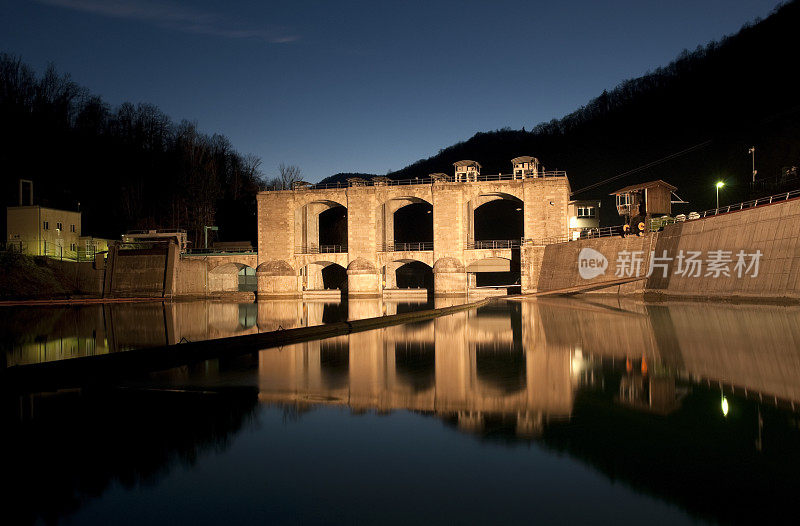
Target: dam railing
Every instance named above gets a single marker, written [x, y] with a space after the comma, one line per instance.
[383, 181]
[590, 233]
[761, 201]
[407, 247]
[320, 249]
[659, 222]
[494, 244]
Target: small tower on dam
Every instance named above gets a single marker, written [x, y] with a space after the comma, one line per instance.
[524, 166]
[440, 234]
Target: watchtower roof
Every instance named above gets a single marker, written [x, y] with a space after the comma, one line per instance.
[642, 186]
[466, 162]
[524, 159]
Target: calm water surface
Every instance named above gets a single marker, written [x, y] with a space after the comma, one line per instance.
[549, 411]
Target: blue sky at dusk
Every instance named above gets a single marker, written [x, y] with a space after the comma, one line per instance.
[360, 86]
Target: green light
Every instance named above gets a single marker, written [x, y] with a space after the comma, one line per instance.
[720, 184]
[724, 406]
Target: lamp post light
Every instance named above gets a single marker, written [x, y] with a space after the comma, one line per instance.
[752, 152]
[719, 185]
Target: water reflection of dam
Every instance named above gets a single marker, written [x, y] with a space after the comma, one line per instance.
[527, 359]
[530, 362]
[30, 335]
[468, 363]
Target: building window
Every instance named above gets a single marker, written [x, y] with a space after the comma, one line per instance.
[72, 228]
[59, 226]
[519, 172]
[586, 211]
[623, 199]
[73, 247]
[45, 225]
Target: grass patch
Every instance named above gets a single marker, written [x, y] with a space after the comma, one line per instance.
[23, 276]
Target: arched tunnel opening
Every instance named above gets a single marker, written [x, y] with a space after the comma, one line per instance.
[413, 223]
[247, 279]
[324, 275]
[500, 219]
[232, 277]
[414, 275]
[334, 277]
[333, 229]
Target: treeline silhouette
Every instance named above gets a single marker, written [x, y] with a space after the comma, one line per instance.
[132, 167]
[126, 168]
[738, 92]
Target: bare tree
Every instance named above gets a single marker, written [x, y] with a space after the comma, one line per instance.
[288, 175]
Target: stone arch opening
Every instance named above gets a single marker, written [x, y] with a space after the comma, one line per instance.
[408, 274]
[321, 227]
[497, 217]
[333, 228]
[406, 223]
[232, 277]
[324, 275]
[413, 223]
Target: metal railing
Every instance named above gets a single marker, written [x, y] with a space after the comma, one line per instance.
[658, 223]
[221, 251]
[158, 231]
[428, 180]
[320, 249]
[761, 201]
[407, 247]
[603, 231]
[52, 251]
[494, 244]
[589, 233]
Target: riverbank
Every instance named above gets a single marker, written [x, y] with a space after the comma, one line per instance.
[24, 277]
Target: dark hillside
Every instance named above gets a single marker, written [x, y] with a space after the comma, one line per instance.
[737, 93]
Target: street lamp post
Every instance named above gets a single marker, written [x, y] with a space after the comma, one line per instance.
[752, 152]
[719, 185]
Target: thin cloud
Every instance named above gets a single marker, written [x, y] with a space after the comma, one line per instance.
[175, 17]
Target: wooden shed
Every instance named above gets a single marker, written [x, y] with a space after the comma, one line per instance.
[653, 198]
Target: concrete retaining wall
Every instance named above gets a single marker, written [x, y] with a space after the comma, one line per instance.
[773, 231]
[559, 263]
[82, 276]
[191, 277]
[137, 273]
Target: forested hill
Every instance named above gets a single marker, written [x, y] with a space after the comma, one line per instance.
[737, 93]
[125, 168]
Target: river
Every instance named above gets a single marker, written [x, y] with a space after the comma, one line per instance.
[551, 410]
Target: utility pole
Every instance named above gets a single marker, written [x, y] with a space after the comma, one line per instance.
[205, 234]
[752, 152]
